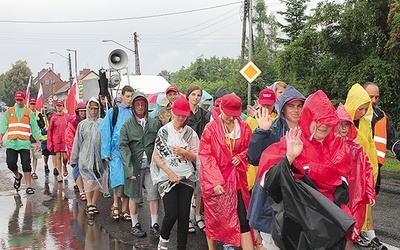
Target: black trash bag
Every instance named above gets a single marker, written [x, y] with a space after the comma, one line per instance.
[305, 218]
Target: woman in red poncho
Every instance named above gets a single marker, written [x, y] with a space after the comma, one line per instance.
[223, 179]
[306, 189]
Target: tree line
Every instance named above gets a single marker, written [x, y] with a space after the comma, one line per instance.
[339, 44]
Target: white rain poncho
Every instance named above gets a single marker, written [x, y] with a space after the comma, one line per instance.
[86, 153]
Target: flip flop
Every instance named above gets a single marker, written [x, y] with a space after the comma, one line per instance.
[17, 181]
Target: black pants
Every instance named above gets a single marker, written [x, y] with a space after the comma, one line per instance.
[12, 158]
[177, 207]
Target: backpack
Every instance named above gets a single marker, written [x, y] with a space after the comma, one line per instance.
[115, 116]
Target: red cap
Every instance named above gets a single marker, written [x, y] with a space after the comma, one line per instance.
[172, 88]
[231, 104]
[59, 103]
[19, 95]
[267, 97]
[32, 101]
[295, 99]
[81, 106]
[181, 107]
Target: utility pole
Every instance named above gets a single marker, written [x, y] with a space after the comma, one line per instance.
[70, 69]
[137, 62]
[250, 47]
[245, 10]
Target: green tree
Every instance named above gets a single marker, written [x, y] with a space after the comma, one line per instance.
[295, 18]
[16, 79]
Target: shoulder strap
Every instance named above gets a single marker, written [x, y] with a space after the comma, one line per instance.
[115, 116]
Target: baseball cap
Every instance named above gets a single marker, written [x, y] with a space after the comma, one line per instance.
[181, 107]
[267, 97]
[171, 88]
[59, 103]
[32, 101]
[81, 106]
[295, 99]
[93, 105]
[231, 104]
[19, 95]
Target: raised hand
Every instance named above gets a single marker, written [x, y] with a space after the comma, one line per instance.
[263, 118]
[294, 145]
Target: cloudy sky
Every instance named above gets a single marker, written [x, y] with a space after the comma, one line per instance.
[172, 33]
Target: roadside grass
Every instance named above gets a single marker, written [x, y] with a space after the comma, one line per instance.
[391, 163]
[391, 167]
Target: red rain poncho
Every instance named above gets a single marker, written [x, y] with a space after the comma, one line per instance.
[55, 133]
[360, 177]
[325, 160]
[220, 211]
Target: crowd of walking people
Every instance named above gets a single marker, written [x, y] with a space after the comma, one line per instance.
[293, 173]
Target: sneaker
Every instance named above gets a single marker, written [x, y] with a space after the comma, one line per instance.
[228, 247]
[155, 230]
[377, 245]
[138, 231]
[363, 240]
[162, 244]
[107, 195]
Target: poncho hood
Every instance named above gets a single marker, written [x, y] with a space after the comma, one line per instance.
[289, 94]
[92, 99]
[136, 95]
[356, 97]
[344, 116]
[318, 108]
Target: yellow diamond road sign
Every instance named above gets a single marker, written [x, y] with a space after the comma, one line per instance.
[250, 72]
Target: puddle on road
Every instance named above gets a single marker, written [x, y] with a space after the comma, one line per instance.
[55, 220]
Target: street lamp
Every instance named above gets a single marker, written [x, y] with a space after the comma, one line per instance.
[51, 84]
[105, 41]
[76, 63]
[69, 64]
[52, 65]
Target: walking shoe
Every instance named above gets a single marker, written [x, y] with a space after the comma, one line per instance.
[155, 230]
[46, 170]
[363, 240]
[162, 244]
[138, 231]
[191, 228]
[107, 195]
[377, 245]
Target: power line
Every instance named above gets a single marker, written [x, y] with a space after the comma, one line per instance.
[117, 19]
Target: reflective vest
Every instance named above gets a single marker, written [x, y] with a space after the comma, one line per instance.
[380, 138]
[18, 129]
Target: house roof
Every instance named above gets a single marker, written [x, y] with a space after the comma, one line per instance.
[63, 89]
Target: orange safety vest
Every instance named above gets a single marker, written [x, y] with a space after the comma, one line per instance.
[18, 129]
[380, 138]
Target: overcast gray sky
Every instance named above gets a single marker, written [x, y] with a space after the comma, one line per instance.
[172, 33]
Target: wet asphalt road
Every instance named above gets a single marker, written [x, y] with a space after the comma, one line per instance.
[54, 218]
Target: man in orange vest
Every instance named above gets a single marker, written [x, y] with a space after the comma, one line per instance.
[383, 132]
[20, 123]
[385, 138]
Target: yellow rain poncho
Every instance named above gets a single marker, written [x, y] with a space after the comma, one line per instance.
[356, 97]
